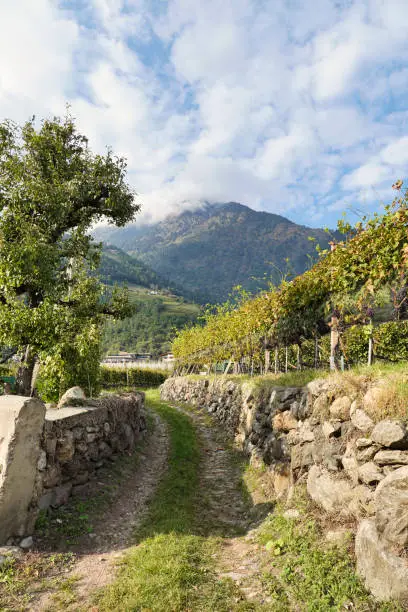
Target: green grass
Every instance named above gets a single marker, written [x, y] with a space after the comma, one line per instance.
[21, 578]
[306, 573]
[172, 568]
[300, 378]
[291, 379]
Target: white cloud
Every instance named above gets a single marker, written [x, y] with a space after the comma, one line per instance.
[278, 106]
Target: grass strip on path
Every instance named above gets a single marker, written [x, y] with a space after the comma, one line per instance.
[172, 568]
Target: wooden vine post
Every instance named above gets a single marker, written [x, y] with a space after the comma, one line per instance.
[334, 330]
[267, 360]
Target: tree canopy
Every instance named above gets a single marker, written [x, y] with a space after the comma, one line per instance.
[53, 189]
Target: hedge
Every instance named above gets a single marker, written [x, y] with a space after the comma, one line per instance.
[132, 377]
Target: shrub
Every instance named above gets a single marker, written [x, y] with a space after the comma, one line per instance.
[134, 377]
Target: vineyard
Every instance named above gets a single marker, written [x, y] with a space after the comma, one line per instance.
[329, 314]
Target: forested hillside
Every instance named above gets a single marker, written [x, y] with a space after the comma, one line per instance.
[116, 266]
[152, 328]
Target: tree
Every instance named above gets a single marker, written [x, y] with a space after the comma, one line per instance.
[53, 189]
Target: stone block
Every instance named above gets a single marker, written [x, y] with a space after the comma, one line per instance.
[369, 473]
[391, 434]
[385, 573]
[340, 408]
[391, 501]
[332, 494]
[21, 426]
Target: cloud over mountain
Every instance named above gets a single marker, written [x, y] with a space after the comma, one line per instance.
[292, 107]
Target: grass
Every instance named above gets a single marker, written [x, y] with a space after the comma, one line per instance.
[172, 568]
[21, 578]
[302, 571]
[291, 379]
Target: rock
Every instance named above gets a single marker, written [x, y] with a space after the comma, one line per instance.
[367, 454]
[21, 428]
[284, 421]
[42, 461]
[81, 478]
[331, 429]
[65, 447]
[302, 456]
[333, 495]
[26, 543]
[52, 476]
[10, 552]
[73, 397]
[360, 419]
[391, 500]
[391, 457]
[305, 432]
[321, 407]
[350, 463]
[45, 500]
[369, 473]
[50, 447]
[61, 495]
[340, 408]
[362, 502]
[384, 573]
[391, 434]
[363, 443]
[78, 432]
[318, 386]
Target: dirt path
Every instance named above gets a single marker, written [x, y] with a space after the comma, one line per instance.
[226, 508]
[113, 533]
[223, 508]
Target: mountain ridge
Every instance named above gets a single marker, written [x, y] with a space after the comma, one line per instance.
[209, 250]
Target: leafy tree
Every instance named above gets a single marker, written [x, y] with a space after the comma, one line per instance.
[53, 188]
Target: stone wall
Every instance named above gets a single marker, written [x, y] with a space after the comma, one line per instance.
[47, 456]
[323, 433]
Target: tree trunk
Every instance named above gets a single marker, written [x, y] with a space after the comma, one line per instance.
[25, 374]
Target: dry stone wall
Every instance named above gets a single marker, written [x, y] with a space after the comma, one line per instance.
[47, 456]
[354, 468]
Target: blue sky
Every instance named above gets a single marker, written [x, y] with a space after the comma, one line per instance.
[297, 107]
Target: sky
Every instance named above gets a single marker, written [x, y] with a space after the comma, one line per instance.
[296, 107]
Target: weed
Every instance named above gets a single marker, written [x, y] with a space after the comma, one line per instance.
[312, 575]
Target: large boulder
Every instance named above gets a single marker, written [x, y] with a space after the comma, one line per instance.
[73, 397]
[391, 500]
[385, 574]
[391, 434]
[332, 494]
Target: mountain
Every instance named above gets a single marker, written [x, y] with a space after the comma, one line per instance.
[210, 250]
